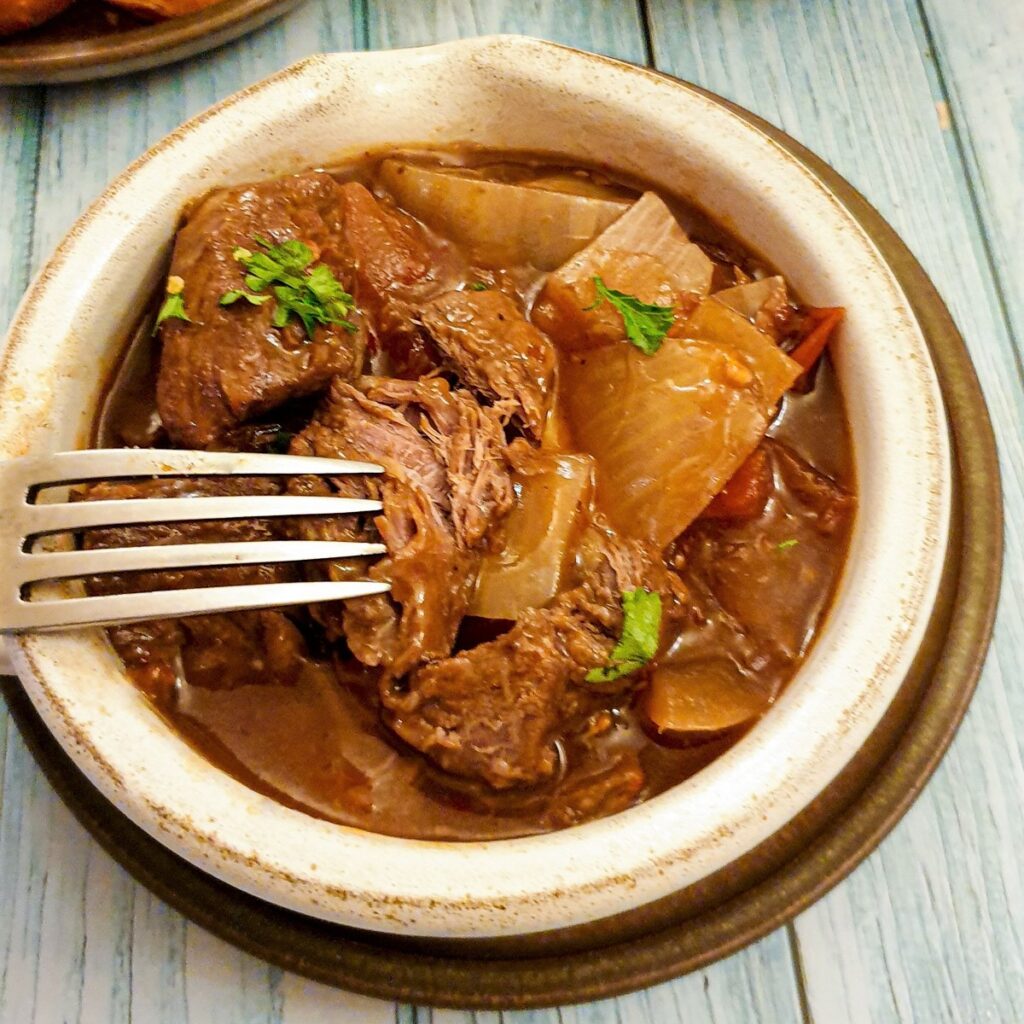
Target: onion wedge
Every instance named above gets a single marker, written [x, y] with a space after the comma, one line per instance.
[668, 430]
[501, 224]
[539, 536]
[645, 254]
[701, 699]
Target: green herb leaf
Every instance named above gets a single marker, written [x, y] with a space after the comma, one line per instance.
[313, 296]
[173, 308]
[787, 544]
[280, 442]
[229, 298]
[479, 286]
[646, 324]
[641, 631]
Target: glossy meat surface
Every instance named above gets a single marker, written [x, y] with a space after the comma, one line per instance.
[231, 363]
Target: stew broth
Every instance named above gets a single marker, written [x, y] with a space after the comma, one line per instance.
[758, 590]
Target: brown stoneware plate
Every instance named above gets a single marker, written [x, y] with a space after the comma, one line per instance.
[91, 40]
[445, 956]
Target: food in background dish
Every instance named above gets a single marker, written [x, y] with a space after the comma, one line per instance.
[617, 488]
[162, 8]
[20, 15]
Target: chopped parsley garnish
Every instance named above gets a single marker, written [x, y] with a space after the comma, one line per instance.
[646, 324]
[279, 442]
[173, 307]
[239, 293]
[787, 544]
[479, 286]
[641, 630]
[314, 295]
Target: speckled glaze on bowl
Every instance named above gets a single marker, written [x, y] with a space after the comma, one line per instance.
[521, 94]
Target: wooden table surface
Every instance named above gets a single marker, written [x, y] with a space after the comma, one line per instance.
[920, 103]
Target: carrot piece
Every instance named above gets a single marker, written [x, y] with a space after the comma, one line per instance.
[821, 322]
[746, 492]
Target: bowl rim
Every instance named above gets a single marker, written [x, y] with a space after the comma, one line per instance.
[338, 957]
[44, 698]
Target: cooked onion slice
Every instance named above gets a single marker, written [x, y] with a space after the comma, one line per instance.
[762, 302]
[500, 224]
[539, 535]
[701, 699]
[645, 253]
[668, 430]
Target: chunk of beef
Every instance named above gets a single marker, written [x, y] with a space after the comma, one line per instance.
[597, 794]
[391, 253]
[495, 711]
[445, 485]
[397, 265]
[494, 350]
[231, 363]
[219, 651]
[208, 531]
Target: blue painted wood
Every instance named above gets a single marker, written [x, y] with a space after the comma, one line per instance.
[931, 928]
[604, 26]
[978, 47]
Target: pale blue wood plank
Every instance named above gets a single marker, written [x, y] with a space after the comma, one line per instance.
[606, 26]
[307, 1002]
[64, 947]
[979, 47]
[931, 928]
[20, 111]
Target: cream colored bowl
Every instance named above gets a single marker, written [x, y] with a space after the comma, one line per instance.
[517, 93]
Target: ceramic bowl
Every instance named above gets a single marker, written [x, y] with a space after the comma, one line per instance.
[520, 94]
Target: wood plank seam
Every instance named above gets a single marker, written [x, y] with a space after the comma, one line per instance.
[799, 971]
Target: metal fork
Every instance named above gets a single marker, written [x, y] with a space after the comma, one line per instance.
[22, 519]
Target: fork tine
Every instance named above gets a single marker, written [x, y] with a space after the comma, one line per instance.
[111, 463]
[102, 611]
[78, 515]
[66, 564]
[95, 464]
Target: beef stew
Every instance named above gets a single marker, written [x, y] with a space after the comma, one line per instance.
[617, 488]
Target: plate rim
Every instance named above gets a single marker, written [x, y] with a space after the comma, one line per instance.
[937, 694]
[135, 49]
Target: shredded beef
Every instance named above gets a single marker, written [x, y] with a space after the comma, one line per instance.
[230, 362]
[494, 350]
[496, 711]
[446, 483]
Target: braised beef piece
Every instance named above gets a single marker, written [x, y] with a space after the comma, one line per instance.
[231, 363]
[446, 485]
[496, 351]
[609, 790]
[738, 565]
[495, 711]
[208, 531]
[830, 505]
[219, 651]
[396, 267]
[392, 256]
